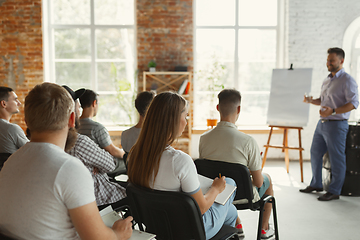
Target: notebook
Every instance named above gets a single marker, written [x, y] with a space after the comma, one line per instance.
[205, 185]
[109, 216]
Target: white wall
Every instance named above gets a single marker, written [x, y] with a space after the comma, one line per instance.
[312, 28]
[315, 26]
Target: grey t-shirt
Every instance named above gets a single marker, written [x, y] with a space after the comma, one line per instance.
[129, 138]
[12, 137]
[38, 184]
[95, 131]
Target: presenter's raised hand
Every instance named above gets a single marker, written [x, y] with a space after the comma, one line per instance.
[307, 98]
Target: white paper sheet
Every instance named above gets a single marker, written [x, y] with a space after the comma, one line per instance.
[286, 106]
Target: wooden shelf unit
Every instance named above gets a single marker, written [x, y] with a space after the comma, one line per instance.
[166, 81]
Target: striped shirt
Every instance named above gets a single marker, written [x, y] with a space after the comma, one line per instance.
[95, 131]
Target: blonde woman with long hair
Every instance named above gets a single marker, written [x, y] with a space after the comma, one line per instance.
[154, 164]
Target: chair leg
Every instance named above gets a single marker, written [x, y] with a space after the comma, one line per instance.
[275, 219]
[260, 220]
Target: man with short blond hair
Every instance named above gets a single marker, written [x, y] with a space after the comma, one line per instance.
[54, 196]
[12, 137]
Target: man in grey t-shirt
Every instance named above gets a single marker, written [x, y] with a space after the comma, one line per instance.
[12, 137]
[94, 130]
[130, 136]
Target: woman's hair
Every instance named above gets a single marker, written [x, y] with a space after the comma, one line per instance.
[160, 129]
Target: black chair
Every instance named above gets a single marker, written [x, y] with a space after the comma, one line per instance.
[3, 158]
[170, 215]
[241, 175]
[4, 237]
[120, 168]
[125, 159]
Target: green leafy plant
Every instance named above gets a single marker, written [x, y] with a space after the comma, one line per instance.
[123, 97]
[152, 64]
[213, 77]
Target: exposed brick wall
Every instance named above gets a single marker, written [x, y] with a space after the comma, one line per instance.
[21, 66]
[164, 34]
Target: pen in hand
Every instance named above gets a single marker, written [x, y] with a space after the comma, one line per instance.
[219, 175]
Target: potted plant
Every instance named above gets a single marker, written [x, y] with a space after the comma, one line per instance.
[213, 77]
[125, 93]
[152, 66]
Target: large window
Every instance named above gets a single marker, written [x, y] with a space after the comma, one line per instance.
[91, 44]
[236, 47]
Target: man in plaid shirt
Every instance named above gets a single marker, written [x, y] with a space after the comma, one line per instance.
[97, 160]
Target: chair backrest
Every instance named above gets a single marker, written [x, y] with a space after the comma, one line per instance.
[125, 159]
[238, 172]
[4, 237]
[169, 215]
[3, 158]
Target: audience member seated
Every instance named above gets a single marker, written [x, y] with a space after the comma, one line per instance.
[12, 137]
[129, 136]
[95, 130]
[153, 163]
[96, 160]
[226, 143]
[54, 197]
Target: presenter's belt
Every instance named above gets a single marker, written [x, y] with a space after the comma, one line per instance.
[331, 120]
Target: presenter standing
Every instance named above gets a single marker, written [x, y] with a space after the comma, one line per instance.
[339, 95]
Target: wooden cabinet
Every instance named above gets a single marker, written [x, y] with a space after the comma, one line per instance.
[171, 81]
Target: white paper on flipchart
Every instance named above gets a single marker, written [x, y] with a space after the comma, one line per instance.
[286, 106]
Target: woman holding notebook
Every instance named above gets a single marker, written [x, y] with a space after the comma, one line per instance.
[153, 163]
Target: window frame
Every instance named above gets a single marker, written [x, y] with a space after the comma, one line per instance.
[281, 58]
[49, 49]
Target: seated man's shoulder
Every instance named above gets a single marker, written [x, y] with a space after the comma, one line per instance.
[88, 122]
[133, 131]
[127, 131]
[81, 138]
[10, 126]
[83, 142]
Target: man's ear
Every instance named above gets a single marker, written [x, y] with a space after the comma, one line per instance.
[342, 61]
[217, 107]
[94, 103]
[238, 109]
[71, 123]
[3, 103]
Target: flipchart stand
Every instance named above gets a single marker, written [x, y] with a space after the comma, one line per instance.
[285, 147]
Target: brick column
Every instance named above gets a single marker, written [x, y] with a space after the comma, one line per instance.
[21, 62]
[164, 34]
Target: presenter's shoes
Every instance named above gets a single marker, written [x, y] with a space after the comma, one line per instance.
[310, 189]
[267, 234]
[328, 197]
[240, 232]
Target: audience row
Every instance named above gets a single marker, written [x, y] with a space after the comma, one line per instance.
[59, 196]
